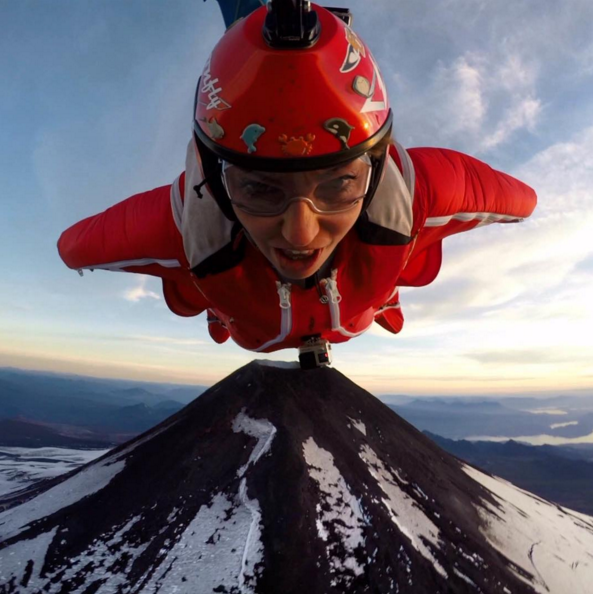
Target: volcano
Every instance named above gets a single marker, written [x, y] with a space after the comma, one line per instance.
[278, 480]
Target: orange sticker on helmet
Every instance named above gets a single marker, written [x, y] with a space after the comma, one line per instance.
[297, 147]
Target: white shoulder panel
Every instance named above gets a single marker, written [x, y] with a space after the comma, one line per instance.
[204, 228]
[176, 204]
[392, 204]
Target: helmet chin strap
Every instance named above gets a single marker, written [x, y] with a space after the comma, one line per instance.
[213, 179]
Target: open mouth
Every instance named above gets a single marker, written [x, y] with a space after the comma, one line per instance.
[297, 259]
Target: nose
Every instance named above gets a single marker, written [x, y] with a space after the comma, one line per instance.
[300, 224]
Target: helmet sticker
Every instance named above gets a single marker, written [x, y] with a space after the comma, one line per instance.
[214, 128]
[209, 87]
[371, 104]
[362, 86]
[340, 129]
[250, 136]
[354, 53]
[297, 147]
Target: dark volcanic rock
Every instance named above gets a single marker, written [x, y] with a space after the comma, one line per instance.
[279, 481]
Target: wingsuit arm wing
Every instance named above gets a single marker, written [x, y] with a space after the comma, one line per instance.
[456, 193]
[141, 235]
[135, 235]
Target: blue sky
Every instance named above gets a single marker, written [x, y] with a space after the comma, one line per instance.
[95, 105]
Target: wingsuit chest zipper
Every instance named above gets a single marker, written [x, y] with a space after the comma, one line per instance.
[333, 294]
[284, 294]
[331, 288]
[286, 319]
[333, 297]
[322, 298]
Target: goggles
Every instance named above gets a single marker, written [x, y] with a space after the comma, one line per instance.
[329, 191]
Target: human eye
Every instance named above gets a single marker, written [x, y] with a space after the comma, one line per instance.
[255, 188]
[340, 189]
[256, 195]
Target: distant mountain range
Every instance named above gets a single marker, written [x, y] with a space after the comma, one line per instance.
[83, 409]
[557, 473]
[510, 417]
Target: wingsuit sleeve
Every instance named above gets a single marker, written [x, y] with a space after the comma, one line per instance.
[135, 235]
[456, 193]
[141, 235]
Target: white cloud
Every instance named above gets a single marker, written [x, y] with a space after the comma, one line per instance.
[563, 174]
[140, 291]
[459, 88]
[476, 101]
[523, 113]
[166, 340]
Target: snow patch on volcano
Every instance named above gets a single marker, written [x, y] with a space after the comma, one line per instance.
[12, 567]
[221, 548]
[359, 425]
[553, 544]
[340, 520]
[253, 551]
[88, 481]
[261, 429]
[107, 561]
[211, 554]
[404, 511]
[280, 364]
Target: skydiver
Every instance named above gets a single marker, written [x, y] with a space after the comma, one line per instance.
[298, 216]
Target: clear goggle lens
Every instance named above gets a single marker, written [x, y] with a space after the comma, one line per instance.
[329, 191]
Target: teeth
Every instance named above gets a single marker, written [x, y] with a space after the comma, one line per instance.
[298, 253]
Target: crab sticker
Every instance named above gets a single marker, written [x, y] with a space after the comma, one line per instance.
[354, 53]
[297, 147]
[340, 129]
[376, 98]
[250, 136]
[214, 128]
[211, 90]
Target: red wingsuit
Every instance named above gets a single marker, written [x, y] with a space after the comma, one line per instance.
[208, 263]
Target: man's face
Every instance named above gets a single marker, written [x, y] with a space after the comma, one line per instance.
[298, 241]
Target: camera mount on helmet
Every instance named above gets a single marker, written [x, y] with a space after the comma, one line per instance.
[291, 24]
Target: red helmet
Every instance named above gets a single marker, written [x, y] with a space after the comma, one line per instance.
[273, 100]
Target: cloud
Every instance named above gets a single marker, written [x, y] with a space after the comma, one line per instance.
[523, 113]
[534, 356]
[563, 174]
[449, 62]
[140, 291]
[460, 89]
[585, 266]
[166, 340]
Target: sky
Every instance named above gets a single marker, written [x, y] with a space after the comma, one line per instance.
[95, 105]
